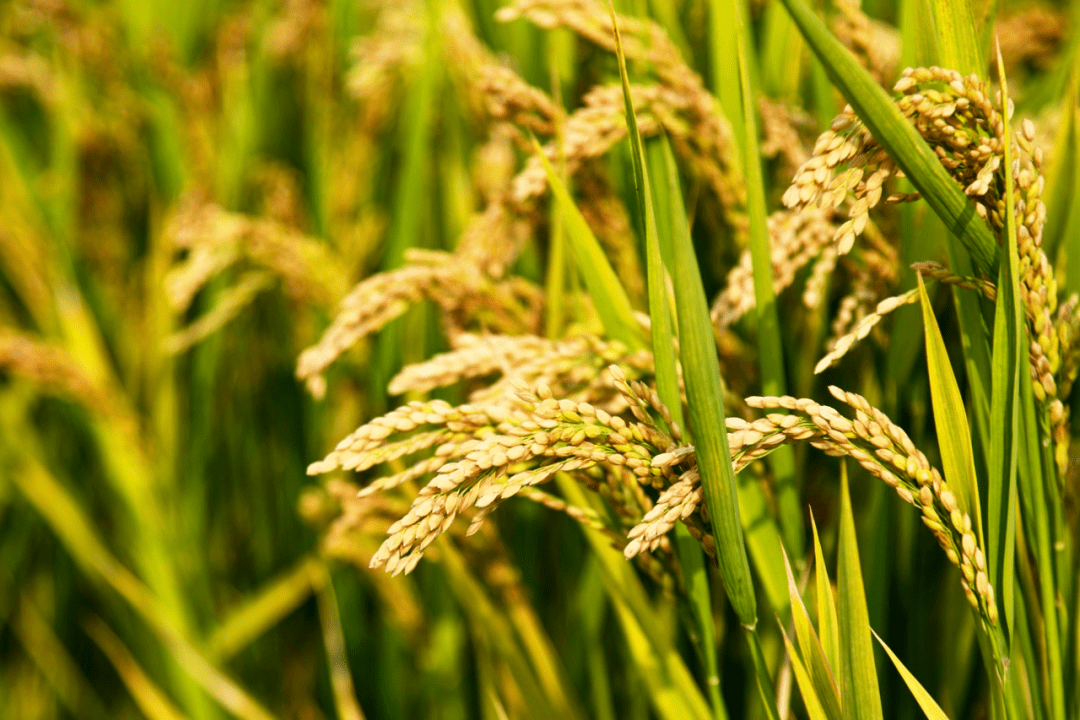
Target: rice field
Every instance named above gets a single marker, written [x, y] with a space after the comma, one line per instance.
[539, 359]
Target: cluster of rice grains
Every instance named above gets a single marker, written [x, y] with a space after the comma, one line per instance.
[569, 406]
[957, 118]
[485, 453]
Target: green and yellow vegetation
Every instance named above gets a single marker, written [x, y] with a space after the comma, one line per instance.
[692, 359]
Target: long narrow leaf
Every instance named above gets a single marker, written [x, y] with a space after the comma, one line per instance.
[761, 675]
[690, 554]
[813, 704]
[608, 294]
[812, 653]
[334, 643]
[69, 523]
[828, 624]
[958, 40]
[950, 418]
[761, 533]
[1005, 401]
[671, 687]
[150, 699]
[261, 612]
[926, 702]
[705, 397]
[667, 381]
[724, 63]
[858, 674]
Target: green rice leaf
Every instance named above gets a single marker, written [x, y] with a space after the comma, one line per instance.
[76, 693]
[898, 137]
[781, 54]
[724, 62]
[1033, 478]
[806, 687]
[608, 294]
[828, 624]
[73, 528]
[667, 382]
[334, 643]
[1062, 195]
[858, 674]
[762, 535]
[705, 396]
[919, 40]
[932, 710]
[1005, 401]
[950, 418]
[958, 40]
[819, 672]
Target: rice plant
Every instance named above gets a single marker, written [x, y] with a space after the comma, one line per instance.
[539, 358]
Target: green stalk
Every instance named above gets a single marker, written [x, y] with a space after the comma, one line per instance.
[761, 673]
[762, 537]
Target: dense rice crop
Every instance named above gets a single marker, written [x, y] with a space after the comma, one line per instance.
[692, 359]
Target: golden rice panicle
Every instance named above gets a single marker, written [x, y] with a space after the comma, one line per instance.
[782, 125]
[472, 356]
[382, 57]
[1068, 325]
[228, 305]
[682, 501]
[845, 161]
[958, 119]
[572, 367]
[456, 286]
[52, 370]
[887, 453]
[703, 142]
[493, 92]
[862, 328]
[484, 454]
[215, 240]
[677, 502]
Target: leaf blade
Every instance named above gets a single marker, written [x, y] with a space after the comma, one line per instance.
[950, 418]
[817, 667]
[859, 689]
[929, 706]
[705, 397]
[608, 295]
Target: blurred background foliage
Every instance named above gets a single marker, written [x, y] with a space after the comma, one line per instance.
[162, 551]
